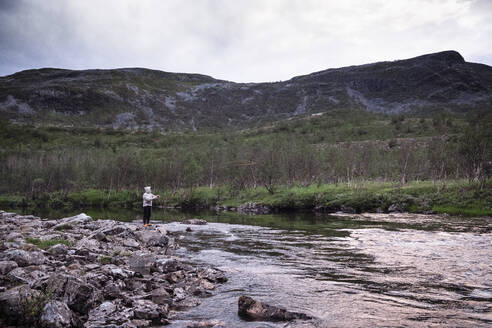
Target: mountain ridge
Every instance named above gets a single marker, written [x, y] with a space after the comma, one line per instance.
[140, 98]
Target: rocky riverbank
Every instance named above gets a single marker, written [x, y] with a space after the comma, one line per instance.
[78, 272]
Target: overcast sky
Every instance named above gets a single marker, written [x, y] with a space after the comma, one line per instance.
[237, 40]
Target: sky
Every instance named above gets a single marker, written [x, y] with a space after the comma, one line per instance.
[237, 40]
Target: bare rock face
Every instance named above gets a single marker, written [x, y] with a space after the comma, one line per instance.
[439, 80]
[249, 309]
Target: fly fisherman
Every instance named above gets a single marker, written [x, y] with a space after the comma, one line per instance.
[147, 205]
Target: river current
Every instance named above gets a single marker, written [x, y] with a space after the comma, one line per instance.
[366, 270]
[373, 270]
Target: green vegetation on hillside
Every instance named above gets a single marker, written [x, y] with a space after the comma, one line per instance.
[305, 162]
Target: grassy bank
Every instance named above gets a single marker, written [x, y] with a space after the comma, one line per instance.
[452, 197]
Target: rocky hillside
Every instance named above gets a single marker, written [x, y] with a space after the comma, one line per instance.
[137, 98]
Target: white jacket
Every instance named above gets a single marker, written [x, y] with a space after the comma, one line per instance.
[148, 197]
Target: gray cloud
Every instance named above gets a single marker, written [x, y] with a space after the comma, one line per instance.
[242, 40]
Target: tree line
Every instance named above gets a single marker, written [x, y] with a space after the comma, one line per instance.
[238, 163]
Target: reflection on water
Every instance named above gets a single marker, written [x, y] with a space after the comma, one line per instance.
[378, 270]
[352, 272]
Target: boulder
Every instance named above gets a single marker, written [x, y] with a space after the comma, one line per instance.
[73, 221]
[23, 258]
[147, 310]
[152, 238]
[58, 249]
[194, 222]
[249, 309]
[8, 215]
[142, 263]
[23, 276]
[114, 230]
[56, 314]
[12, 304]
[80, 296]
[7, 266]
[165, 265]
[130, 242]
[14, 237]
[161, 296]
[119, 273]
[109, 314]
[112, 290]
[212, 275]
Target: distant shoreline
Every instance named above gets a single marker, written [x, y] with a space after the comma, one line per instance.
[451, 197]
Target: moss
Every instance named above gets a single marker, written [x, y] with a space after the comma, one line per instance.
[105, 259]
[45, 244]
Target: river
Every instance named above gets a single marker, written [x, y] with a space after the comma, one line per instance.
[370, 270]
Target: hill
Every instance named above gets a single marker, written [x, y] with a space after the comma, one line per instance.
[143, 99]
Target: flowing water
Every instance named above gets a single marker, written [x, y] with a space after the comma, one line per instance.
[372, 270]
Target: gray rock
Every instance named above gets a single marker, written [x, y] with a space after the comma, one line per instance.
[152, 238]
[56, 314]
[100, 236]
[80, 296]
[109, 314]
[11, 302]
[129, 242]
[179, 294]
[115, 230]
[18, 276]
[7, 266]
[23, 276]
[23, 258]
[88, 245]
[142, 263]
[119, 273]
[194, 221]
[49, 237]
[8, 215]
[147, 310]
[161, 296]
[250, 309]
[175, 277]
[73, 221]
[112, 290]
[28, 217]
[14, 236]
[212, 275]
[169, 265]
[58, 249]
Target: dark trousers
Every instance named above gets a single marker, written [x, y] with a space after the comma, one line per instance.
[147, 212]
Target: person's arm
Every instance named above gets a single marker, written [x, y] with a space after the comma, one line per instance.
[148, 197]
